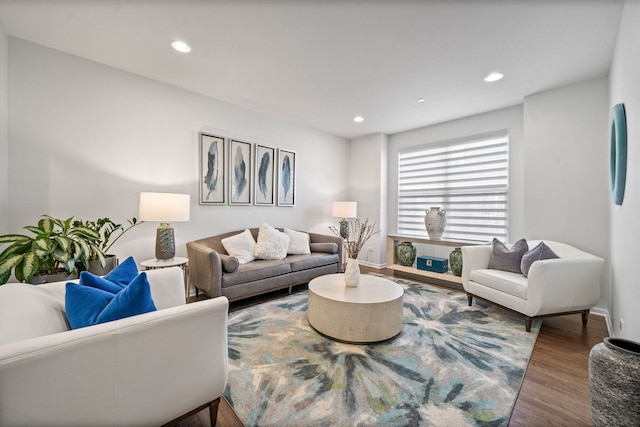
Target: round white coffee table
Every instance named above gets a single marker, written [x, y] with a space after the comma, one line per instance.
[369, 313]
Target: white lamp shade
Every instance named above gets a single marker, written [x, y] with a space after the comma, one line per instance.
[164, 207]
[344, 209]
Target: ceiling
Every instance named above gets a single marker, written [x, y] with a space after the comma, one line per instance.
[321, 63]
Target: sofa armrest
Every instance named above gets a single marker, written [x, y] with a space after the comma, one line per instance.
[205, 269]
[141, 370]
[474, 258]
[563, 283]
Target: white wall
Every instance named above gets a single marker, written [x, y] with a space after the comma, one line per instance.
[566, 169]
[369, 187]
[4, 132]
[510, 119]
[625, 224]
[85, 139]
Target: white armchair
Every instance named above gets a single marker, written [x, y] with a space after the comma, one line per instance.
[565, 285]
[149, 369]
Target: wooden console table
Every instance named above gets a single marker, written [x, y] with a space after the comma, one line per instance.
[447, 279]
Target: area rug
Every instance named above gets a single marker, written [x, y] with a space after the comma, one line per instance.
[451, 365]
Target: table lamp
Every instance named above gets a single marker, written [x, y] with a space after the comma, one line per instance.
[344, 210]
[165, 208]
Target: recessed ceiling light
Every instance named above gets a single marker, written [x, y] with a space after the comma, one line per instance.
[420, 99]
[358, 119]
[493, 77]
[180, 46]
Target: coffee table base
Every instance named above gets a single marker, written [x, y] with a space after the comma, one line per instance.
[346, 316]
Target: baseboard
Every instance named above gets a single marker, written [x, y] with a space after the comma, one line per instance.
[604, 313]
[372, 265]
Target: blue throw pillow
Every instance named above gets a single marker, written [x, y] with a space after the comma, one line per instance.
[132, 300]
[91, 280]
[124, 273]
[84, 304]
[92, 301]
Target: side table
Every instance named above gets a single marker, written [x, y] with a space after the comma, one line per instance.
[182, 262]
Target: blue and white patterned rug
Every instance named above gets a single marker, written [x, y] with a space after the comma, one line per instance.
[452, 365]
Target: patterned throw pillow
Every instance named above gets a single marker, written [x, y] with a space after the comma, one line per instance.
[507, 259]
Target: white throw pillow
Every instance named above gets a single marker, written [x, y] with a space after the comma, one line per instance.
[272, 244]
[299, 242]
[240, 246]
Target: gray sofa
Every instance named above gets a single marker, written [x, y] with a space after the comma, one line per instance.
[212, 271]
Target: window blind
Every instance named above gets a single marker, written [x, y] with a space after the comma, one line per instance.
[469, 178]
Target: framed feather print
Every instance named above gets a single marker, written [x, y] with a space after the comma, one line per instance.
[212, 170]
[286, 178]
[264, 173]
[240, 171]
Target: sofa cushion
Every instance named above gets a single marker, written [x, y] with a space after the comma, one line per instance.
[507, 259]
[257, 270]
[298, 243]
[305, 262]
[271, 244]
[511, 283]
[29, 311]
[540, 252]
[240, 246]
[87, 305]
[324, 247]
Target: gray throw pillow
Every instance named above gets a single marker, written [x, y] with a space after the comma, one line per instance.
[541, 251]
[326, 247]
[505, 259]
[229, 263]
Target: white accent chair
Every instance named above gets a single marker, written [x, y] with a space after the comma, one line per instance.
[152, 369]
[565, 285]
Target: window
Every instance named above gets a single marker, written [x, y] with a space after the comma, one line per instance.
[469, 178]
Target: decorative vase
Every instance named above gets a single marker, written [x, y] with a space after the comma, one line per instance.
[111, 262]
[406, 253]
[614, 380]
[352, 273]
[455, 262]
[61, 276]
[435, 222]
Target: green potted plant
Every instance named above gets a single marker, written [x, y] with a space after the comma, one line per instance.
[56, 247]
[101, 262]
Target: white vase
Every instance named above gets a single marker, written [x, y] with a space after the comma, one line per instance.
[352, 273]
[435, 221]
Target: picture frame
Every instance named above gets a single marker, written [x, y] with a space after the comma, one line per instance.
[264, 194]
[286, 178]
[212, 169]
[240, 172]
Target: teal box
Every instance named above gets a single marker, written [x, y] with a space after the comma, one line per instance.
[433, 263]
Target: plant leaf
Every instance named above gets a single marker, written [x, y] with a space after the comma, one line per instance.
[86, 232]
[14, 238]
[29, 266]
[42, 247]
[46, 224]
[7, 265]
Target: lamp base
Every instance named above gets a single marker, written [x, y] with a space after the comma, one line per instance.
[165, 241]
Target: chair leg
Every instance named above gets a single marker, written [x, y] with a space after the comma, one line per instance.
[213, 412]
[585, 317]
[469, 298]
[527, 323]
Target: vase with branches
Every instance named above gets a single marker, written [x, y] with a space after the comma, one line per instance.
[359, 233]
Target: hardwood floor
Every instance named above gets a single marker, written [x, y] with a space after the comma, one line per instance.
[555, 389]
